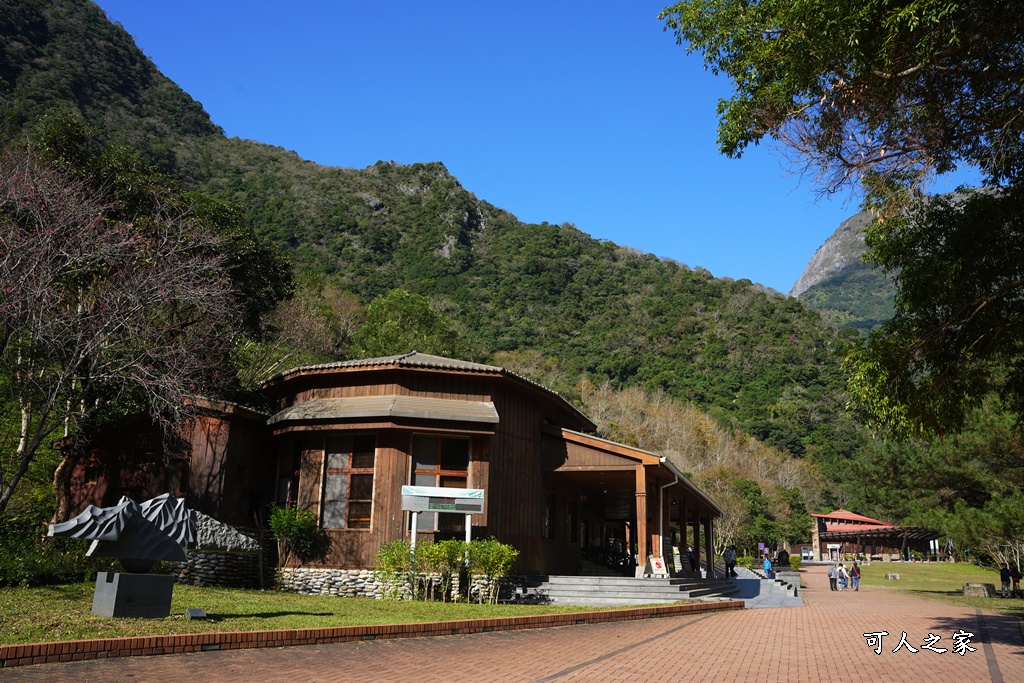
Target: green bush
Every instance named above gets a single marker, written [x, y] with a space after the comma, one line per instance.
[745, 561]
[396, 568]
[440, 563]
[29, 558]
[298, 534]
[794, 562]
[493, 559]
[429, 571]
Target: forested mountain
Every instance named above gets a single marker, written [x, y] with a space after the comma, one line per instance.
[755, 360]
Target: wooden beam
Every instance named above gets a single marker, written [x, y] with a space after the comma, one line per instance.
[593, 468]
[611, 447]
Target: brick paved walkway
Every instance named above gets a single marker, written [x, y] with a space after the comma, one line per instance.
[822, 641]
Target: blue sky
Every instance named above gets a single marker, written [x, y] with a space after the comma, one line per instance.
[586, 113]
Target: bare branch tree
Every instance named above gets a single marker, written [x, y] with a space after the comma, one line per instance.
[100, 313]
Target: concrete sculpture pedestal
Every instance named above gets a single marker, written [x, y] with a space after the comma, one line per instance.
[139, 596]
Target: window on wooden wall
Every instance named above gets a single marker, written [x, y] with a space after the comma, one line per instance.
[347, 497]
[444, 462]
[289, 463]
[178, 484]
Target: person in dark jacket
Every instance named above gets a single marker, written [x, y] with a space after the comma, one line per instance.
[1004, 579]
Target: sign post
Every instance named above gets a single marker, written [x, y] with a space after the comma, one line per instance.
[417, 499]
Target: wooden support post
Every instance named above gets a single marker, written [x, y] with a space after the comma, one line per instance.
[641, 520]
[696, 539]
[708, 547]
[666, 525]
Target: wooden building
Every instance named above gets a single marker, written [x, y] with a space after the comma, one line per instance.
[343, 438]
[842, 532]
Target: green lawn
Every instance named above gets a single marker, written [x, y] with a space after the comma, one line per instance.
[51, 613]
[940, 581]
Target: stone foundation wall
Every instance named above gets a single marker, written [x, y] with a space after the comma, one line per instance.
[346, 583]
[232, 570]
[361, 583]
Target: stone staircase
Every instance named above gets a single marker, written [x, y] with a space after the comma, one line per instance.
[784, 582]
[607, 591]
[757, 591]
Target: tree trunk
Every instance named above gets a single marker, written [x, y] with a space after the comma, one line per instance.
[26, 451]
[62, 485]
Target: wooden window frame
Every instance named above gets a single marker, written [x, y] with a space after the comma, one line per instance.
[438, 473]
[351, 523]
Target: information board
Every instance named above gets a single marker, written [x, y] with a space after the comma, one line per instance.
[437, 499]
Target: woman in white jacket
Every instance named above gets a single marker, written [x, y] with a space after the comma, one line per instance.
[843, 575]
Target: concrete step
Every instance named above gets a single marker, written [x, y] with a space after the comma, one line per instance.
[612, 581]
[603, 591]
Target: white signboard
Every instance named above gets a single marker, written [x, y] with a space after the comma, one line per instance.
[437, 499]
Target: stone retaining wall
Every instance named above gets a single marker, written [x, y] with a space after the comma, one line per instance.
[232, 570]
[361, 583]
[346, 583]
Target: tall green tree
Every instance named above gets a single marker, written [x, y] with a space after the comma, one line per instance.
[399, 322]
[884, 94]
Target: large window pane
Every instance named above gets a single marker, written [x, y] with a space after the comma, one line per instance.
[338, 449]
[337, 461]
[363, 450]
[424, 452]
[426, 521]
[334, 514]
[336, 486]
[362, 487]
[359, 515]
[455, 454]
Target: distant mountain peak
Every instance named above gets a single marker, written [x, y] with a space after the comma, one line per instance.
[842, 250]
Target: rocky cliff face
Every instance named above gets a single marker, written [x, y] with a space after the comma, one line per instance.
[842, 250]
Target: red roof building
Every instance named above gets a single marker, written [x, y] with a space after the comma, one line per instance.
[842, 532]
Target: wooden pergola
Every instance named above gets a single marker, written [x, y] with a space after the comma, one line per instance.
[889, 537]
[634, 486]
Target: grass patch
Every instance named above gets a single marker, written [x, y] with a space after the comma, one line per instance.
[54, 613]
[941, 581]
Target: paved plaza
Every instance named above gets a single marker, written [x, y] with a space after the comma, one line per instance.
[821, 641]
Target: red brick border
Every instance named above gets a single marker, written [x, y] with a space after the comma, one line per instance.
[102, 648]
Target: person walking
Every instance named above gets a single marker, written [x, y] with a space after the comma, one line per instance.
[832, 577]
[767, 565]
[855, 576]
[730, 561]
[1015, 578]
[1004, 579]
[843, 576]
